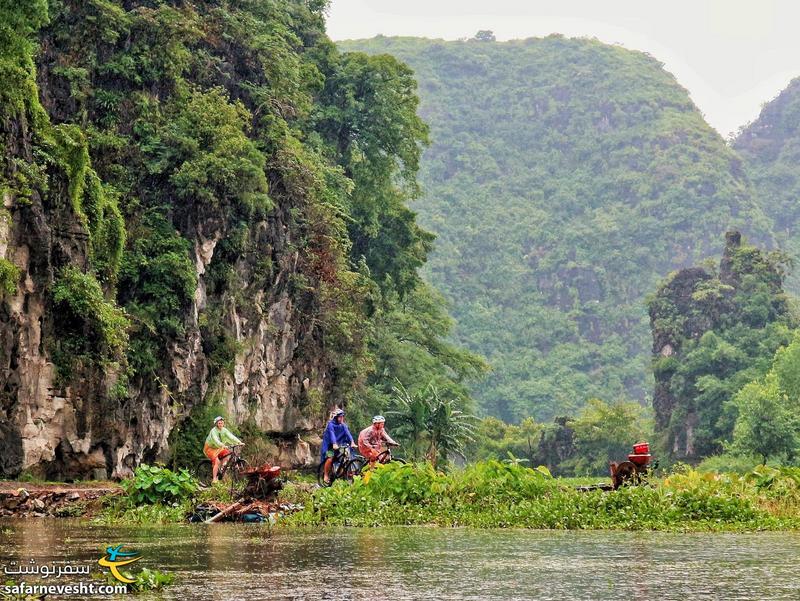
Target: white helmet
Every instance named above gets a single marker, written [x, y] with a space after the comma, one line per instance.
[218, 419]
[378, 418]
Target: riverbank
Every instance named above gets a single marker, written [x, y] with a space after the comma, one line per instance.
[488, 494]
[55, 499]
[500, 495]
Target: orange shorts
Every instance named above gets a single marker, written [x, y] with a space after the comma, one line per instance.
[368, 452]
[215, 454]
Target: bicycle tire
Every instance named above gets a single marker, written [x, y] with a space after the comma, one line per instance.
[203, 472]
[354, 468]
[237, 468]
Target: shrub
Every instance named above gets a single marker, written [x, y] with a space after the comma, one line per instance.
[737, 464]
[153, 484]
[88, 315]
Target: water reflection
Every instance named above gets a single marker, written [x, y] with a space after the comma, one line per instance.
[232, 562]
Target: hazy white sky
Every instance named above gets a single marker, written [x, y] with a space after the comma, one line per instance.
[732, 55]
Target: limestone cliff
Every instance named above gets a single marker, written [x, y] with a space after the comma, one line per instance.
[169, 241]
[714, 330]
[70, 427]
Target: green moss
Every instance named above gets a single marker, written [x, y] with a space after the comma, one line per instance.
[9, 276]
[157, 281]
[18, 92]
[93, 203]
[106, 228]
[72, 154]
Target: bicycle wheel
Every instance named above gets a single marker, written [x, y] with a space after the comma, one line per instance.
[354, 468]
[203, 472]
[236, 468]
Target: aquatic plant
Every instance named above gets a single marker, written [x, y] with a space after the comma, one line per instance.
[153, 484]
[497, 494]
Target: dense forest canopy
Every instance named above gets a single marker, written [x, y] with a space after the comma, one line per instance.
[770, 151]
[565, 177]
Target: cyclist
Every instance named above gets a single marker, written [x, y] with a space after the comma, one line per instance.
[217, 445]
[372, 438]
[336, 435]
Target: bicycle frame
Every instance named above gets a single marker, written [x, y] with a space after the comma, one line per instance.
[232, 459]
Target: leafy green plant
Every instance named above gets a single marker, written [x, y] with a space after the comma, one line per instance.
[506, 494]
[145, 580]
[605, 432]
[153, 484]
[95, 323]
[150, 580]
[118, 510]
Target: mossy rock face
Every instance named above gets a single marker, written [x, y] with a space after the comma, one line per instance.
[9, 277]
[11, 455]
[714, 330]
[216, 200]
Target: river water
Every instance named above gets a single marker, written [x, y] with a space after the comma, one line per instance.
[226, 562]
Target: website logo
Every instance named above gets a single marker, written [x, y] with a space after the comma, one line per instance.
[115, 558]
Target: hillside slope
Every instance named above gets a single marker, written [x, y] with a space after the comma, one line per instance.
[565, 177]
[770, 150]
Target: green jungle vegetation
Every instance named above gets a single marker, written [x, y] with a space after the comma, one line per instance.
[770, 147]
[564, 179]
[504, 494]
[725, 353]
[715, 329]
[162, 117]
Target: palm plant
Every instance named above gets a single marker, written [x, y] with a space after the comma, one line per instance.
[434, 427]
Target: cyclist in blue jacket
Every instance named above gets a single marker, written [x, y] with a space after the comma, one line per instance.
[337, 435]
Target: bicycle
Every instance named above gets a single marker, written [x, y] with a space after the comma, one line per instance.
[383, 457]
[235, 465]
[344, 467]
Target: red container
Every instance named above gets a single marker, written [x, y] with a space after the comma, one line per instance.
[640, 459]
[641, 448]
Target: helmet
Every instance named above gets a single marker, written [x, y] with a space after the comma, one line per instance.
[218, 418]
[337, 413]
[378, 418]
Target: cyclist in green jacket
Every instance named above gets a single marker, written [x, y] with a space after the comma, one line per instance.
[216, 445]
